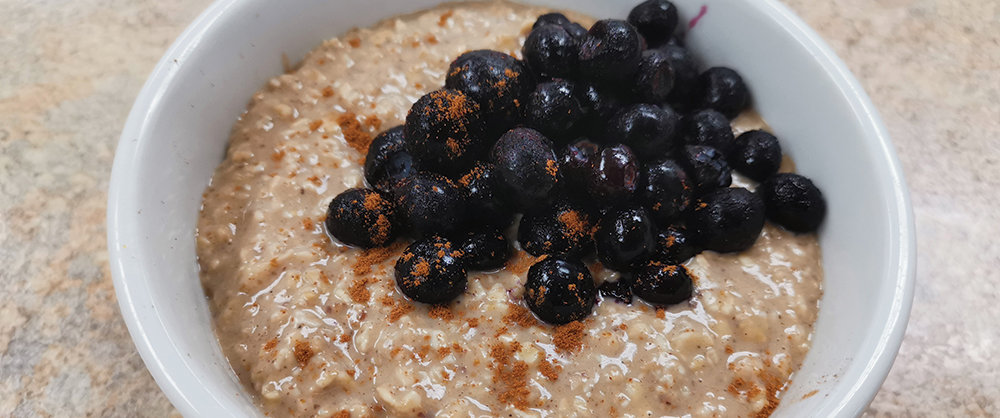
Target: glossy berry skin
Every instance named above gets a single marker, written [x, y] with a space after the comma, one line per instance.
[756, 154]
[674, 246]
[685, 76]
[625, 238]
[663, 284]
[559, 19]
[599, 106]
[495, 80]
[727, 220]
[485, 250]
[576, 160]
[431, 271]
[527, 165]
[615, 175]
[553, 108]
[706, 168]
[562, 228]
[430, 203]
[361, 217]
[559, 290]
[793, 201]
[551, 51]
[655, 20]
[443, 130]
[666, 190]
[722, 89]
[654, 79]
[485, 200]
[610, 52]
[649, 130]
[387, 161]
[620, 290]
[708, 127]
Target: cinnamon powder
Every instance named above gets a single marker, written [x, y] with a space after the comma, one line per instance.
[510, 375]
[371, 257]
[355, 134]
[569, 337]
[441, 312]
[548, 370]
[517, 314]
[359, 290]
[303, 352]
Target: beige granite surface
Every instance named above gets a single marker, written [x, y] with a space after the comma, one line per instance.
[69, 71]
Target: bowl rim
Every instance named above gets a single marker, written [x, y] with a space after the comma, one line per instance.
[135, 302]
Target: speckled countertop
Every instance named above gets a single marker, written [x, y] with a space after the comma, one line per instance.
[70, 70]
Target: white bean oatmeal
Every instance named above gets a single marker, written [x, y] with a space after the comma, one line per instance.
[315, 328]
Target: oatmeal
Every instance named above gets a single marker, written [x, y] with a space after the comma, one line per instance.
[314, 328]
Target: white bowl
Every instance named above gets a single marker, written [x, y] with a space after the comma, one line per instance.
[177, 131]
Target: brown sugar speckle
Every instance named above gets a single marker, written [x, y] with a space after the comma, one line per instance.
[810, 394]
[569, 337]
[354, 42]
[345, 337]
[271, 344]
[355, 134]
[303, 352]
[661, 313]
[473, 322]
[327, 91]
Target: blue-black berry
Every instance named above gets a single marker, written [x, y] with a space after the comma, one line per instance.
[793, 201]
[430, 203]
[553, 109]
[654, 79]
[486, 203]
[674, 246]
[757, 154]
[443, 130]
[495, 80]
[625, 238]
[551, 51]
[663, 284]
[610, 52]
[559, 290]
[526, 162]
[727, 220]
[649, 130]
[655, 20]
[708, 127]
[387, 161]
[666, 190]
[706, 167]
[614, 176]
[361, 217]
[431, 271]
[483, 250]
[722, 89]
[562, 228]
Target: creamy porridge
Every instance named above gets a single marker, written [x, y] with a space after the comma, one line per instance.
[317, 329]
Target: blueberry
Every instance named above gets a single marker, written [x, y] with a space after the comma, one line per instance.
[620, 290]
[387, 161]
[757, 154]
[361, 217]
[722, 89]
[431, 271]
[727, 220]
[485, 250]
[655, 20]
[610, 52]
[793, 201]
[614, 176]
[706, 167]
[495, 80]
[708, 127]
[576, 162]
[430, 203]
[685, 76]
[443, 130]
[647, 129]
[655, 77]
[562, 228]
[674, 246]
[550, 51]
[666, 190]
[527, 164]
[625, 238]
[599, 105]
[559, 19]
[559, 291]
[663, 284]
[485, 201]
[553, 109]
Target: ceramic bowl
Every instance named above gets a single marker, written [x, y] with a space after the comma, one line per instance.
[176, 135]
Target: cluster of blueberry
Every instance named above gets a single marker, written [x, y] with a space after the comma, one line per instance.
[633, 179]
